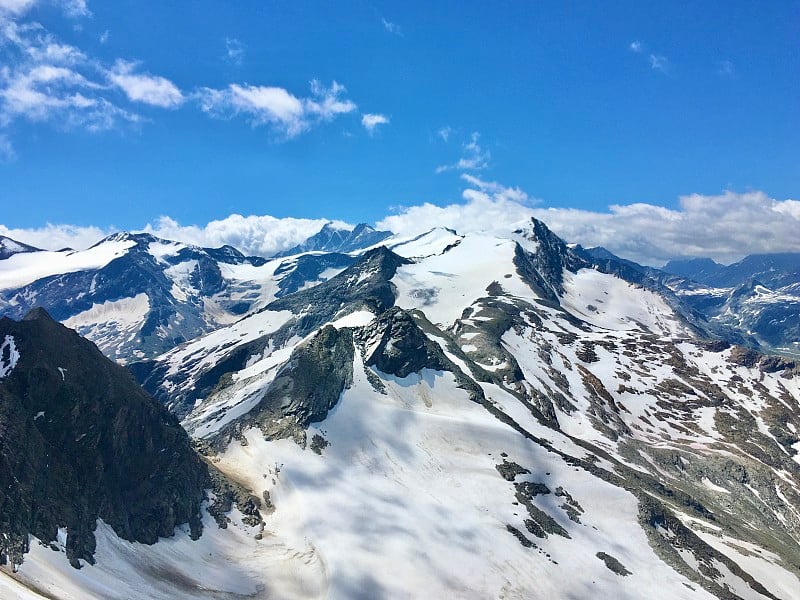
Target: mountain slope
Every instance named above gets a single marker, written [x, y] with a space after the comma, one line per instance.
[136, 295]
[81, 441]
[502, 418]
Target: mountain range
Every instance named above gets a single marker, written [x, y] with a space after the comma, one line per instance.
[455, 414]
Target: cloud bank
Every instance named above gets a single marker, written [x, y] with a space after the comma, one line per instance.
[725, 227]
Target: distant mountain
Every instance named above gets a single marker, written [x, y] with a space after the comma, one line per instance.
[336, 239]
[772, 270]
[9, 247]
[137, 295]
[735, 301]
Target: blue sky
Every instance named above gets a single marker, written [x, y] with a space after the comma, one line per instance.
[197, 110]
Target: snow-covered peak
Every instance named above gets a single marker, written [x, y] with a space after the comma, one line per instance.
[9, 247]
[337, 238]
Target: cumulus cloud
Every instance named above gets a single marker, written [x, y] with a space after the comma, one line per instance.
[488, 206]
[56, 237]
[49, 81]
[276, 106]
[72, 8]
[145, 88]
[725, 227]
[261, 235]
[474, 157]
[370, 121]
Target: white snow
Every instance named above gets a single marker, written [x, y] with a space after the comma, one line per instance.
[420, 510]
[223, 563]
[612, 303]
[443, 286]
[9, 355]
[123, 313]
[21, 269]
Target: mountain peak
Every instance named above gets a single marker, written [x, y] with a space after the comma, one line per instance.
[9, 247]
[332, 238]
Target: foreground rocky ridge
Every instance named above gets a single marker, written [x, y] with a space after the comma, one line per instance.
[80, 442]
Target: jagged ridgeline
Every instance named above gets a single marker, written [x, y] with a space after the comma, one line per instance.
[484, 415]
[582, 413]
[81, 441]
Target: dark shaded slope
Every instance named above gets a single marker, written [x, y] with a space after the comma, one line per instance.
[79, 440]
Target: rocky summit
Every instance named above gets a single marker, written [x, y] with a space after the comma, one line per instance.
[449, 415]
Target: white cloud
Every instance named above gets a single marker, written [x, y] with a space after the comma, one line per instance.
[56, 237]
[488, 206]
[103, 38]
[370, 121]
[262, 235]
[659, 63]
[259, 235]
[234, 50]
[49, 81]
[15, 7]
[392, 28]
[276, 106]
[725, 227]
[474, 157]
[7, 153]
[145, 88]
[635, 46]
[445, 132]
[72, 8]
[727, 69]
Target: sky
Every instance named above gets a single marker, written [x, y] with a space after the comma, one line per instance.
[654, 129]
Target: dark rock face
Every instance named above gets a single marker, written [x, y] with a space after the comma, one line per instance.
[400, 346]
[79, 440]
[543, 269]
[308, 387]
[333, 239]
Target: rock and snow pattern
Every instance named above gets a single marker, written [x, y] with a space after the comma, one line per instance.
[475, 416]
[9, 355]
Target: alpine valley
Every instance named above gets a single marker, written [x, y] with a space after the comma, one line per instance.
[366, 415]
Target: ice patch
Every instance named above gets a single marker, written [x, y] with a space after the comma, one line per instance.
[9, 355]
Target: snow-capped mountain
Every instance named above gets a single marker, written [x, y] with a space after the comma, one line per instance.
[136, 295]
[773, 270]
[332, 238]
[466, 415]
[9, 247]
[760, 308]
[502, 418]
